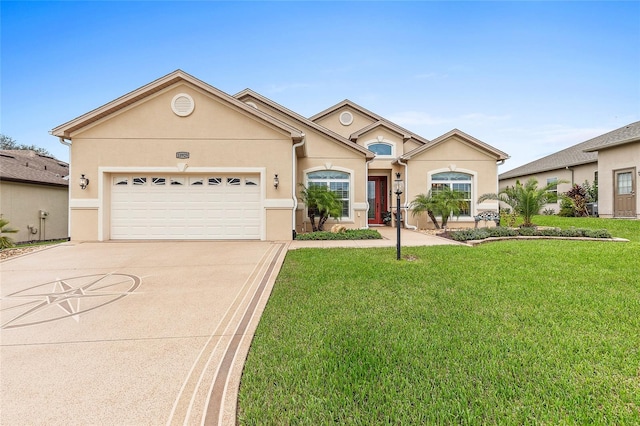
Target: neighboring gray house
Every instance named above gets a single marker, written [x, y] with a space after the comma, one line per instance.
[34, 195]
[611, 159]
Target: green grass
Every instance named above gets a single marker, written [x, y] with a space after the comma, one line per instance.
[629, 229]
[516, 332]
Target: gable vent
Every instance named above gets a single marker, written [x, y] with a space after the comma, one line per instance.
[346, 118]
[182, 104]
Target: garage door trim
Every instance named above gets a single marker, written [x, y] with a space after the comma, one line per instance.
[104, 188]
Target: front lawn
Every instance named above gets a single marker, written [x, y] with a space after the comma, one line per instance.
[516, 332]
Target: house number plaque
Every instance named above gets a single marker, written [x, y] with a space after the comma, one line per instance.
[183, 155]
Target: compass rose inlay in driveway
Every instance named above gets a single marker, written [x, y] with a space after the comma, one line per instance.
[65, 298]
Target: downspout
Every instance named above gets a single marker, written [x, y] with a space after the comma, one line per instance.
[68, 144]
[571, 170]
[294, 173]
[366, 189]
[405, 207]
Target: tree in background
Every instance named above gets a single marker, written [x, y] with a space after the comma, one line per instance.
[527, 200]
[7, 142]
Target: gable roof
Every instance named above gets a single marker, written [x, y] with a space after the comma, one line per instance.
[378, 121]
[303, 120]
[500, 155]
[582, 153]
[28, 166]
[65, 130]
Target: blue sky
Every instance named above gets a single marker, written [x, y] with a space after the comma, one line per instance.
[529, 78]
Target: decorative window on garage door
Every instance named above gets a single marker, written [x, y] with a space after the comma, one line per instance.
[336, 181]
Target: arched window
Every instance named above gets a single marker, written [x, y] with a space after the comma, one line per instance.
[381, 149]
[336, 181]
[456, 181]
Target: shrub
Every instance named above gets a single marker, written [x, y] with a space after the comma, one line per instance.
[349, 234]
[482, 233]
[500, 231]
[597, 233]
[508, 217]
[566, 208]
[469, 234]
[527, 231]
[579, 198]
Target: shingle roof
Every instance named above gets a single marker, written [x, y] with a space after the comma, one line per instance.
[248, 93]
[582, 153]
[30, 167]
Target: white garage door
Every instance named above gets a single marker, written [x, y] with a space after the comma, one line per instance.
[212, 207]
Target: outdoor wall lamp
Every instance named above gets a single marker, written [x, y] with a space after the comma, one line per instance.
[84, 182]
[398, 186]
[276, 181]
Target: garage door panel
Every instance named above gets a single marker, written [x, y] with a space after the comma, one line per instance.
[212, 209]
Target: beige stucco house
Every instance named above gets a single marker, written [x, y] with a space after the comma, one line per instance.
[612, 160]
[34, 195]
[180, 159]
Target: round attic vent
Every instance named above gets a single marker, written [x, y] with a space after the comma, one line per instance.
[182, 104]
[346, 118]
[252, 104]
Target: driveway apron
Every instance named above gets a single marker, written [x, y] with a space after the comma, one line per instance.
[130, 332]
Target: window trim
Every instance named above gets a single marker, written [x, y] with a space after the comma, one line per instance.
[473, 208]
[382, 142]
[337, 169]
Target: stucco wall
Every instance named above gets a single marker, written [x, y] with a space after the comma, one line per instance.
[147, 135]
[21, 203]
[332, 122]
[453, 154]
[577, 174]
[612, 159]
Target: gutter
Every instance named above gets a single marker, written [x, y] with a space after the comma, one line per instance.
[68, 144]
[294, 175]
[405, 207]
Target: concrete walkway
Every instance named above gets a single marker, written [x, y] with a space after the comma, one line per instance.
[135, 333]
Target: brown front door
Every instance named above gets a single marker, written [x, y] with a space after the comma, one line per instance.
[377, 197]
[624, 202]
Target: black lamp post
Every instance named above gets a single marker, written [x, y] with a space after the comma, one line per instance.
[398, 186]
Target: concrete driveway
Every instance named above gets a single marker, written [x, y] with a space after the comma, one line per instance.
[130, 332]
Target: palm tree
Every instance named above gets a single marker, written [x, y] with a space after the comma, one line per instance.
[6, 242]
[424, 203]
[444, 203]
[527, 199]
[322, 202]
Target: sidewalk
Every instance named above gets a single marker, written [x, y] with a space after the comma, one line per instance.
[408, 238]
